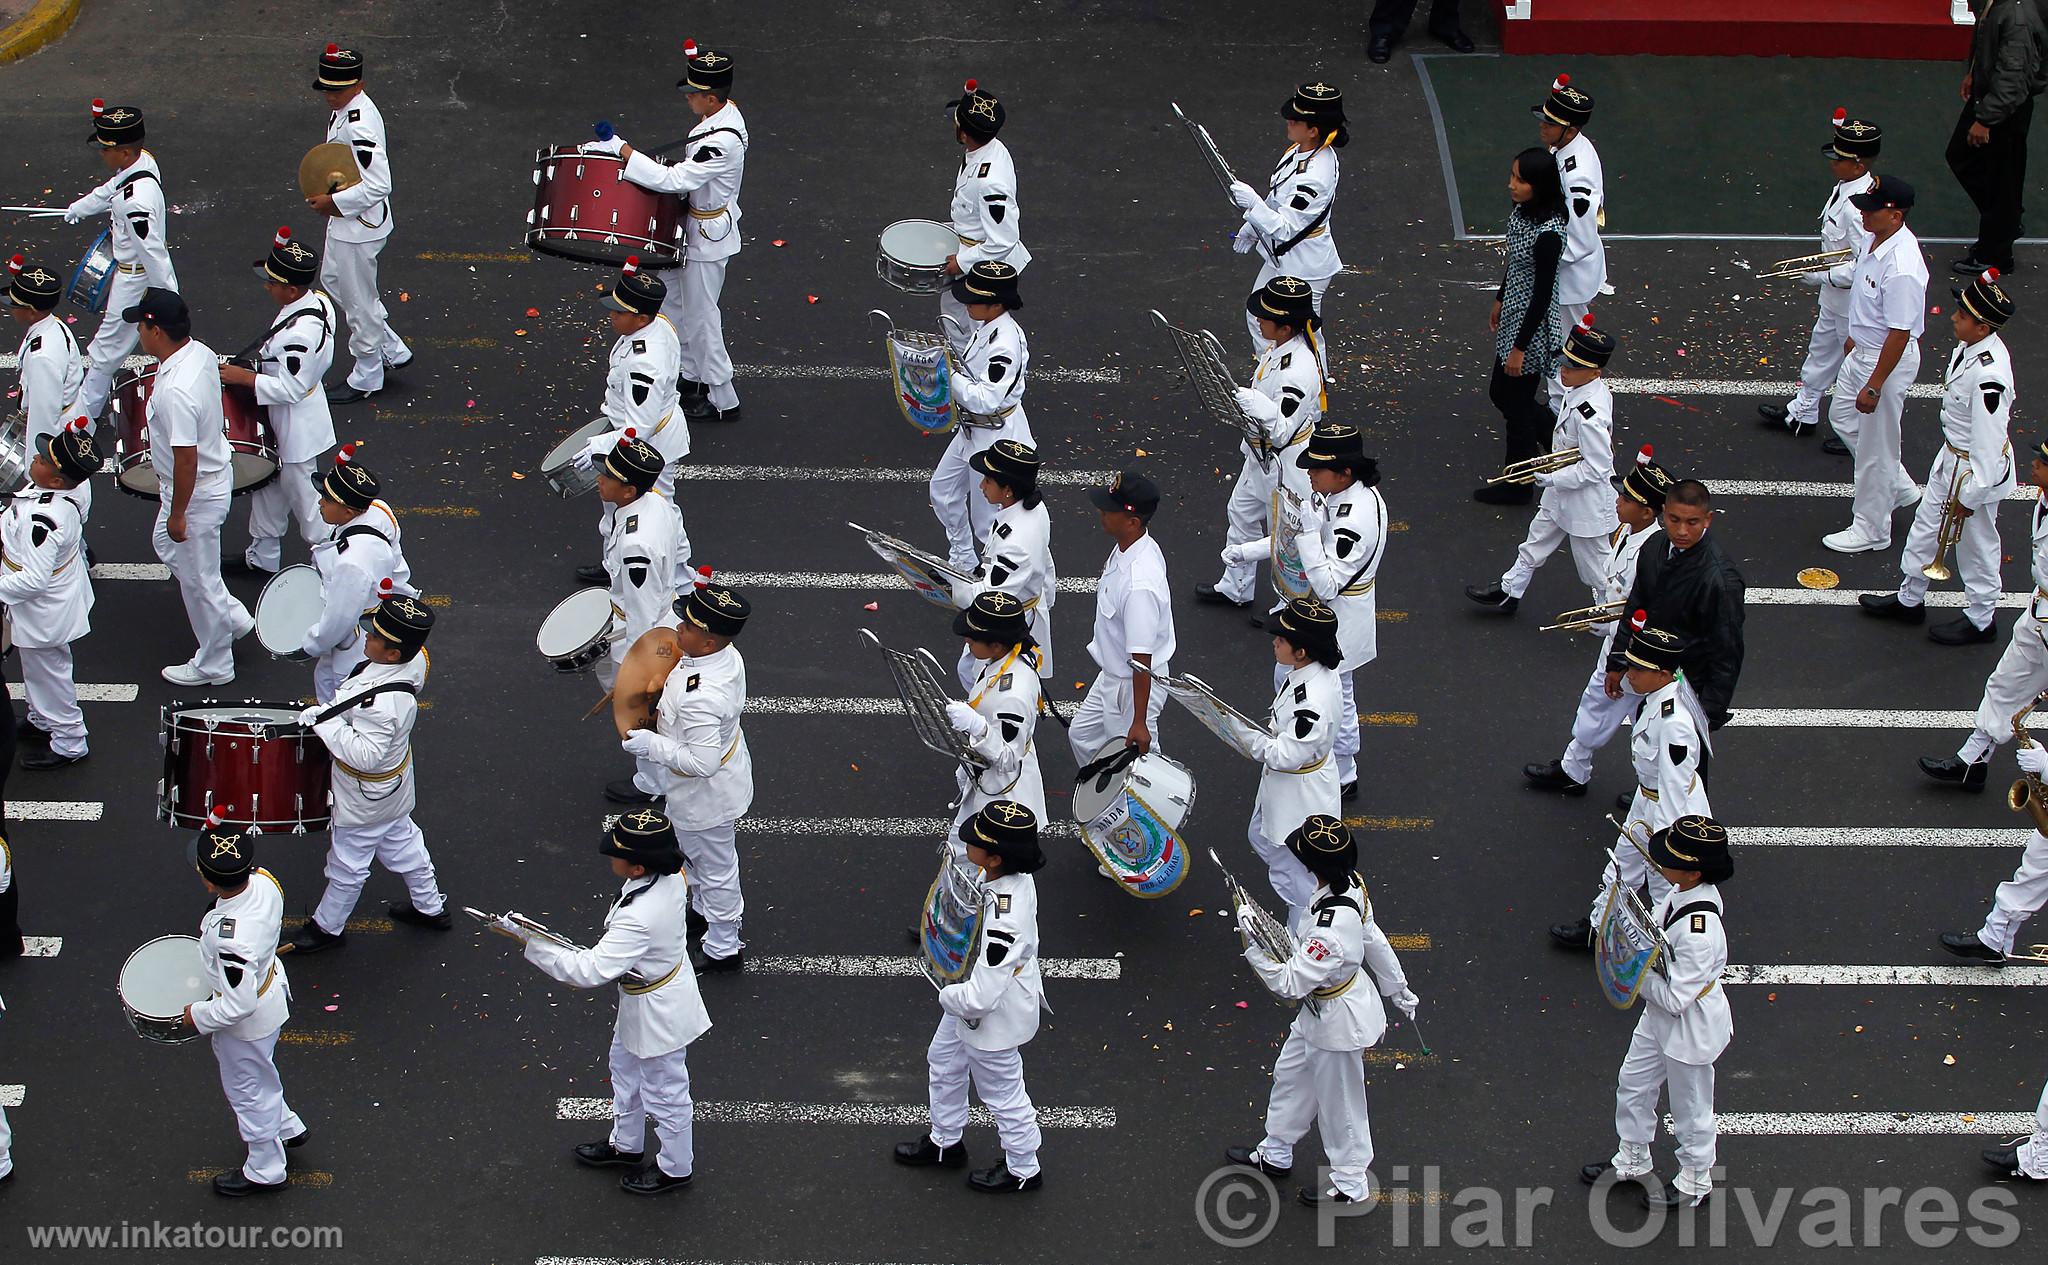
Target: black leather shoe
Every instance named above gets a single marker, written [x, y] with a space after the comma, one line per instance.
[346, 394]
[1349, 791]
[402, 364]
[1834, 447]
[695, 924]
[47, 760]
[1552, 777]
[700, 410]
[704, 964]
[294, 1143]
[1456, 38]
[1379, 50]
[1965, 944]
[623, 791]
[997, 1181]
[1248, 1157]
[407, 914]
[1969, 267]
[1668, 1197]
[1592, 1173]
[687, 390]
[925, 1153]
[235, 1186]
[1309, 1196]
[594, 574]
[1961, 632]
[1490, 595]
[1623, 800]
[2005, 1161]
[1573, 935]
[650, 1180]
[1775, 415]
[29, 731]
[1954, 772]
[1504, 494]
[1888, 606]
[311, 939]
[605, 1155]
[237, 565]
[1208, 595]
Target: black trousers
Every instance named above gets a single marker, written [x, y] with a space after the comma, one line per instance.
[1525, 408]
[1390, 17]
[1994, 174]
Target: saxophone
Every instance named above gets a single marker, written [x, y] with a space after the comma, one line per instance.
[2029, 794]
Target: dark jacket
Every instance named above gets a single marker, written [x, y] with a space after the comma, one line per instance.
[1698, 596]
[2008, 58]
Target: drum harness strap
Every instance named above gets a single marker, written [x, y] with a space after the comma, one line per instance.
[1314, 228]
[692, 139]
[136, 269]
[388, 687]
[318, 312]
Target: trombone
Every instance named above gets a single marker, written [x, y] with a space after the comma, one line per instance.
[1802, 264]
[1585, 617]
[1951, 529]
[1526, 471]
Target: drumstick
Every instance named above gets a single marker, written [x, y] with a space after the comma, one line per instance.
[600, 703]
[40, 212]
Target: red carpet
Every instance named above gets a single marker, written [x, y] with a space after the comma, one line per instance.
[1909, 29]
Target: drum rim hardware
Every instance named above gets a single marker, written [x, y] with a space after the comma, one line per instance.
[179, 718]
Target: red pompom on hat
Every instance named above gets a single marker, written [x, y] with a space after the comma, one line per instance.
[632, 266]
[283, 235]
[1639, 620]
[972, 85]
[1560, 82]
[689, 48]
[218, 815]
[14, 265]
[1586, 321]
[81, 423]
[1643, 455]
[99, 107]
[703, 578]
[347, 452]
[385, 588]
[332, 49]
[1841, 117]
[1990, 276]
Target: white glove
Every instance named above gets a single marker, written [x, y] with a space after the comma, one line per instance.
[504, 923]
[1238, 555]
[1406, 1001]
[310, 715]
[1543, 478]
[1814, 279]
[72, 214]
[1243, 195]
[612, 146]
[2033, 759]
[641, 743]
[1244, 241]
[583, 459]
[1256, 403]
[965, 719]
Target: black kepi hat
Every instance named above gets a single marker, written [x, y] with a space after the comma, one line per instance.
[1855, 139]
[72, 451]
[1694, 842]
[1285, 300]
[1339, 446]
[350, 482]
[1647, 483]
[1588, 347]
[223, 856]
[990, 281]
[1986, 300]
[1308, 624]
[640, 293]
[995, 616]
[1317, 104]
[1010, 462]
[646, 837]
[1566, 106]
[339, 68]
[633, 460]
[977, 113]
[707, 69]
[715, 608]
[1008, 829]
[115, 125]
[399, 618]
[32, 285]
[1128, 493]
[1653, 649]
[1324, 845]
[289, 262]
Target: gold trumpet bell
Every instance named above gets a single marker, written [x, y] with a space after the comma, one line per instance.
[1938, 570]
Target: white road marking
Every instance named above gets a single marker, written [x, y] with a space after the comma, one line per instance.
[880, 373]
[860, 1113]
[1838, 1123]
[54, 810]
[1796, 487]
[865, 474]
[11, 1095]
[41, 946]
[1735, 386]
[131, 571]
[1876, 837]
[884, 580]
[1873, 976]
[87, 692]
[1856, 718]
[860, 967]
[1936, 600]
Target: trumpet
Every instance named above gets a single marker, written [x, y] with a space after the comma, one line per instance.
[1802, 264]
[2028, 794]
[1526, 471]
[1585, 617]
[1951, 529]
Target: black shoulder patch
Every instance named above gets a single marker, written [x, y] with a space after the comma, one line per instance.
[632, 524]
[1002, 906]
[1304, 724]
[1344, 509]
[36, 343]
[996, 209]
[1670, 706]
[1301, 693]
[1984, 358]
[1002, 531]
[1677, 754]
[1326, 918]
[227, 927]
[355, 116]
[1699, 923]
[1994, 395]
[708, 151]
[983, 173]
[1301, 167]
[997, 367]
[639, 346]
[1287, 360]
[1571, 163]
[696, 679]
[1003, 681]
[996, 951]
[1586, 410]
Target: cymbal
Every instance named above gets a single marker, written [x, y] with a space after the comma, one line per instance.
[641, 677]
[328, 168]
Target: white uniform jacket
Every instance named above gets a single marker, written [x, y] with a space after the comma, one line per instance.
[251, 996]
[1285, 399]
[1299, 777]
[1841, 228]
[371, 742]
[353, 561]
[708, 176]
[988, 377]
[1293, 223]
[1019, 563]
[1006, 696]
[52, 369]
[295, 356]
[640, 392]
[43, 579]
[1341, 967]
[985, 214]
[1581, 496]
[1976, 410]
[1341, 549]
[640, 555]
[1687, 1009]
[998, 1003]
[2037, 607]
[699, 742]
[1624, 553]
[643, 932]
[366, 205]
[1665, 748]
[1582, 269]
[134, 202]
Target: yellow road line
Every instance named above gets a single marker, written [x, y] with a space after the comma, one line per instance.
[474, 257]
[1410, 943]
[297, 1179]
[1398, 525]
[1403, 719]
[295, 921]
[468, 417]
[38, 28]
[1387, 1058]
[321, 1038]
[478, 343]
[440, 511]
[1390, 823]
[437, 599]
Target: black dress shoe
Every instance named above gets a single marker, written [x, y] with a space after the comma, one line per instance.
[1208, 595]
[1379, 50]
[1309, 1197]
[1834, 447]
[1969, 267]
[1775, 415]
[704, 964]
[1592, 1173]
[1965, 944]
[1504, 494]
[29, 731]
[925, 1153]
[605, 1155]
[234, 1185]
[1573, 935]
[687, 390]
[1954, 772]
[695, 924]
[700, 409]
[346, 394]
[43, 762]
[1349, 791]
[2005, 1161]
[1552, 777]
[1623, 800]
[624, 791]
[1490, 595]
[1961, 632]
[1666, 1196]
[1248, 1157]
[650, 1180]
[998, 1181]
[1888, 606]
[294, 1143]
[593, 573]
[407, 914]
[402, 364]
[1456, 38]
[236, 565]
[311, 939]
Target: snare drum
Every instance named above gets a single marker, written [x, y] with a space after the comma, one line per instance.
[585, 209]
[259, 762]
[912, 254]
[559, 467]
[1131, 815]
[14, 453]
[158, 981]
[252, 449]
[94, 275]
[287, 609]
[578, 632]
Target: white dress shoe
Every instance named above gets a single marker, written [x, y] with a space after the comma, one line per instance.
[1853, 541]
[186, 675]
[1911, 496]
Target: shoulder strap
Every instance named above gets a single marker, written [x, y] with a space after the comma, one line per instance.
[1309, 228]
[361, 529]
[130, 181]
[388, 687]
[1379, 546]
[1696, 907]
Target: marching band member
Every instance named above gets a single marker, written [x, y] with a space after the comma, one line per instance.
[290, 363]
[250, 1001]
[133, 199]
[1577, 504]
[1133, 620]
[1000, 715]
[707, 773]
[1582, 270]
[369, 733]
[991, 1014]
[1341, 551]
[358, 225]
[1638, 502]
[359, 563]
[1667, 747]
[1286, 399]
[1693, 591]
[643, 555]
[1296, 778]
[714, 161]
[1887, 315]
[1684, 1024]
[1019, 546]
[1856, 142]
[2022, 671]
[2027, 1159]
[1319, 1077]
[1289, 225]
[640, 393]
[1976, 409]
[2015, 900]
[989, 377]
[50, 369]
[659, 1015]
[985, 214]
[47, 590]
[188, 451]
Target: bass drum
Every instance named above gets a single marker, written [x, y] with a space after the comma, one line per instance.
[258, 764]
[252, 449]
[585, 209]
[1131, 809]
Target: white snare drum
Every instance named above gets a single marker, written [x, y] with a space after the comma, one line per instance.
[578, 632]
[158, 981]
[14, 455]
[287, 609]
[1131, 814]
[912, 254]
[559, 466]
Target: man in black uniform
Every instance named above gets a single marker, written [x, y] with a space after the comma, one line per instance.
[1691, 589]
[1988, 149]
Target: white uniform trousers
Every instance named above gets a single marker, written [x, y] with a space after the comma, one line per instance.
[955, 491]
[1599, 718]
[332, 668]
[1823, 362]
[656, 1088]
[647, 776]
[1976, 553]
[1627, 863]
[1106, 713]
[1326, 1087]
[1882, 484]
[216, 617]
[1291, 881]
[114, 342]
[348, 272]
[1589, 555]
[2018, 898]
[2033, 1153]
[2021, 674]
[6, 1145]
[1316, 286]
[53, 698]
[692, 307]
[248, 1075]
[999, 1083]
[712, 858]
[271, 510]
[1691, 1087]
[954, 322]
[396, 845]
[1346, 749]
[1250, 508]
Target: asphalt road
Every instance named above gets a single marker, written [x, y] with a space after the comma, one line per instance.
[433, 1069]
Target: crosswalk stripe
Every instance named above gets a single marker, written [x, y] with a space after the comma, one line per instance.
[131, 571]
[1873, 976]
[1796, 487]
[1838, 1123]
[877, 967]
[41, 946]
[1857, 718]
[1876, 837]
[1936, 600]
[864, 474]
[55, 810]
[1736, 386]
[860, 1113]
[88, 692]
[11, 1095]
